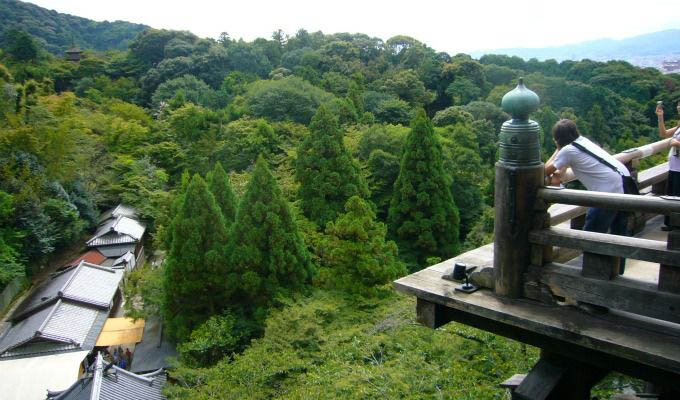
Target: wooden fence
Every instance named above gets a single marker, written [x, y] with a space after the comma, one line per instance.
[598, 281]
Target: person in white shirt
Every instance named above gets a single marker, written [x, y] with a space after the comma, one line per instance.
[592, 173]
[673, 181]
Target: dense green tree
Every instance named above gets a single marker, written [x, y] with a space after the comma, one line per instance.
[20, 45]
[193, 89]
[220, 187]
[267, 253]
[423, 217]
[195, 268]
[327, 173]
[289, 98]
[356, 255]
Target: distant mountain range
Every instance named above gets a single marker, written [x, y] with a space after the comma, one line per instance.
[645, 50]
[57, 32]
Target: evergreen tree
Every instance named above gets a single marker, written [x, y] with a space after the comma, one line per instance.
[267, 252]
[218, 183]
[356, 250]
[423, 217]
[327, 174]
[175, 208]
[195, 268]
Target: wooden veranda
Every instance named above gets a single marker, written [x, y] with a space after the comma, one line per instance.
[547, 276]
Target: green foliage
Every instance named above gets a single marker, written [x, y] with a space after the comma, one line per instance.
[60, 31]
[193, 90]
[423, 218]
[336, 346]
[195, 268]
[356, 256]
[327, 173]
[244, 140]
[451, 116]
[218, 183]
[10, 264]
[287, 99]
[20, 45]
[144, 290]
[218, 337]
[267, 253]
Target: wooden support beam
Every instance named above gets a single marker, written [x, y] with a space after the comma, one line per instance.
[556, 377]
[612, 245]
[431, 314]
[669, 277]
[622, 293]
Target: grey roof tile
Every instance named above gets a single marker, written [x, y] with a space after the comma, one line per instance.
[116, 251]
[71, 319]
[113, 383]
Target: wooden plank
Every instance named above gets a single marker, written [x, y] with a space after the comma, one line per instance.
[566, 327]
[653, 176]
[612, 245]
[560, 213]
[616, 201]
[512, 382]
[621, 293]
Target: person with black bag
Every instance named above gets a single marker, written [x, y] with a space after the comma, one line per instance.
[597, 170]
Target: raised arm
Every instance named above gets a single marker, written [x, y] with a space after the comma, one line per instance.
[662, 126]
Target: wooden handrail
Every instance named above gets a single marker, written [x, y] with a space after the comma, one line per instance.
[612, 245]
[616, 201]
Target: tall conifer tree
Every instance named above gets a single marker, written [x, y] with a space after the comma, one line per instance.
[423, 217]
[218, 183]
[267, 252]
[195, 268]
[327, 174]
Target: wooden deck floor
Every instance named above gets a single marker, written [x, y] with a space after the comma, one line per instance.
[635, 345]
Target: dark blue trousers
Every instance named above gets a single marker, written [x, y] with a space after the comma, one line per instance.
[603, 220]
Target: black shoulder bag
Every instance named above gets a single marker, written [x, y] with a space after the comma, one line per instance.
[629, 184]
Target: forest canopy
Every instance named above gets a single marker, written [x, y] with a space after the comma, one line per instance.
[288, 170]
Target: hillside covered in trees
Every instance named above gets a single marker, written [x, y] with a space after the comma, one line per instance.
[57, 32]
[289, 180]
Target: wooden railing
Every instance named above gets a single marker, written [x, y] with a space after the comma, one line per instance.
[598, 281]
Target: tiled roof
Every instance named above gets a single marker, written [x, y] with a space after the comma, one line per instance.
[120, 209]
[93, 256]
[120, 230]
[108, 382]
[66, 313]
[155, 350]
[116, 251]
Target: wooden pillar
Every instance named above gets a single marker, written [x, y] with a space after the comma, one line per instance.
[669, 276]
[515, 195]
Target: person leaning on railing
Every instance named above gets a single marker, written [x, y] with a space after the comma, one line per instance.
[673, 181]
[592, 173]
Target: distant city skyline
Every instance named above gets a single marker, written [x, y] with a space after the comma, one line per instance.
[452, 27]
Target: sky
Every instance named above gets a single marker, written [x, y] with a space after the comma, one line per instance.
[451, 26]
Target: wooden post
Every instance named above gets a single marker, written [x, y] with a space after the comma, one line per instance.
[515, 194]
[519, 175]
[669, 276]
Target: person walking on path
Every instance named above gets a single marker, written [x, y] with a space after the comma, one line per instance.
[673, 181]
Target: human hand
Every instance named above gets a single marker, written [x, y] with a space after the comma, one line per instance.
[659, 110]
[555, 179]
